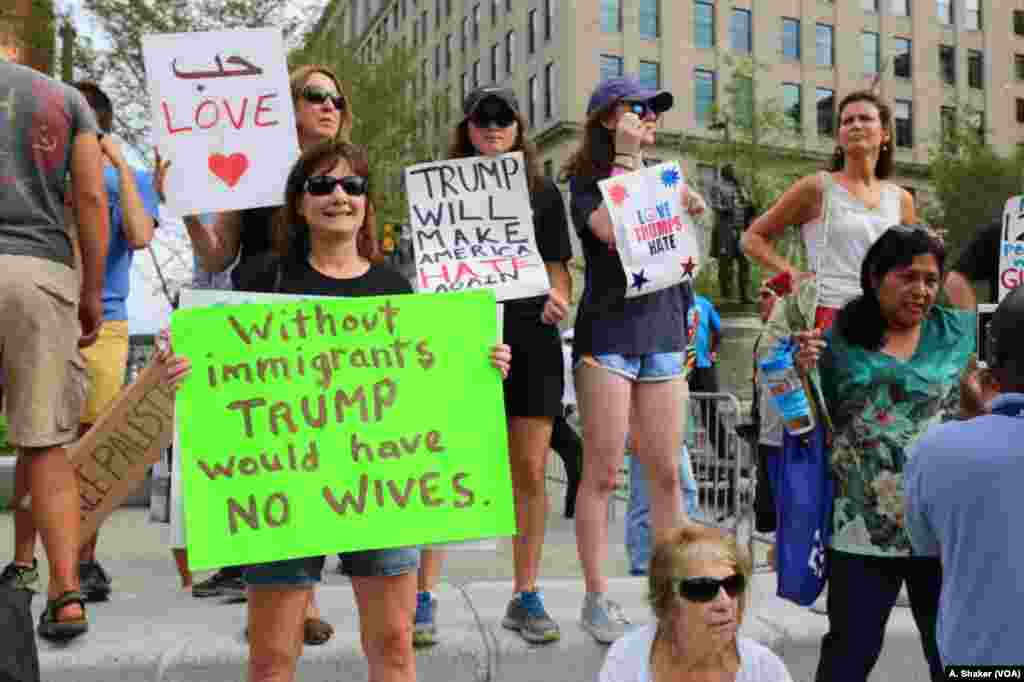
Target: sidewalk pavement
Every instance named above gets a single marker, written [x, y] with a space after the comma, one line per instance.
[152, 631]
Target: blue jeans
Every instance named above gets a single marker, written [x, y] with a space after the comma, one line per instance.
[638, 527]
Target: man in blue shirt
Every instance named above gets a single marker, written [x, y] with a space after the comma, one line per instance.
[132, 213]
[963, 486]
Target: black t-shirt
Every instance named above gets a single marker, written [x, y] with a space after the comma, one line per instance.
[607, 321]
[980, 260]
[254, 242]
[301, 278]
[551, 229]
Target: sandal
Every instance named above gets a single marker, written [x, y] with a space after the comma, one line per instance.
[62, 630]
[316, 631]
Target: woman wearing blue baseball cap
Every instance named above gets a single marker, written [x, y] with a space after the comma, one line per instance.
[628, 353]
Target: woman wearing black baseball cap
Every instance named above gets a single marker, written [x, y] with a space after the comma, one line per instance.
[628, 353]
[492, 125]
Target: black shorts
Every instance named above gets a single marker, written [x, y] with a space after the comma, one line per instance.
[535, 385]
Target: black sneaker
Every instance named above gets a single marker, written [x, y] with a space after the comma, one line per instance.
[220, 584]
[95, 581]
[17, 577]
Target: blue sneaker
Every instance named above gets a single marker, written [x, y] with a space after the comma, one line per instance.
[424, 630]
[526, 615]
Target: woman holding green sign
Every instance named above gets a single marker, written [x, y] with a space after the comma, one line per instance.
[326, 233]
[492, 125]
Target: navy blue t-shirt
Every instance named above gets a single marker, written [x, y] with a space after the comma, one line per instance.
[608, 322]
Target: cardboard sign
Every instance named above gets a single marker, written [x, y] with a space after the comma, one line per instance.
[472, 227]
[112, 458]
[223, 115]
[654, 236]
[328, 425]
[1011, 247]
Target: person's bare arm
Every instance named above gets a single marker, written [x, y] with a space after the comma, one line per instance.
[800, 204]
[137, 224]
[959, 291]
[216, 246]
[557, 306]
[93, 220]
[600, 224]
[908, 212]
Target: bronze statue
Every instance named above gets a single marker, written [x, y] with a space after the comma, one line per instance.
[734, 211]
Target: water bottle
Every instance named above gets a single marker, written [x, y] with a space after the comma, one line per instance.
[786, 386]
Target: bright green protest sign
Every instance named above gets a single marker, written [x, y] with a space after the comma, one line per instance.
[329, 425]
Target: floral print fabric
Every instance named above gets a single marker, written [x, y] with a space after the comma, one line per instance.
[880, 405]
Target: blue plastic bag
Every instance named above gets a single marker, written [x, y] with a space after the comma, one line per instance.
[803, 504]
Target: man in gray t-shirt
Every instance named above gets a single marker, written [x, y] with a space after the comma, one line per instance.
[48, 309]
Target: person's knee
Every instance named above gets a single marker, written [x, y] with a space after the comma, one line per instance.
[530, 478]
[271, 662]
[390, 645]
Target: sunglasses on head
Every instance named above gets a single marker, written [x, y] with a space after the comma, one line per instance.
[706, 589]
[322, 185]
[501, 116]
[315, 95]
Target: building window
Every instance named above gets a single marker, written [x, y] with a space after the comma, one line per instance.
[1020, 110]
[649, 28]
[650, 75]
[739, 31]
[825, 101]
[611, 16]
[899, 8]
[476, 23]
[447, 8]
[872, 57]
[465, 33]
[423, 27]
[901, 57]
[703, 24]
[972, 15]
[510, 51]
[704, 98]
[1018, 66]
[476, 74]
[823, 49]
[978, 124]
[869, 5]
[611, 67]
[791, 38]
[549, 168]
[465, 86]
[423, 76]
[743, 101]
[495, 56]
[792, 105]
[549, 18]
[944, 11]
[437, 60]
[437, 14]
[531, 31]
[1018, 22]
[494, 12]
[975, 69]
[532, 97]
[947, 64]
[508, 5]
[549, 91]
[947, 126]
[448, 51]
[904, 122]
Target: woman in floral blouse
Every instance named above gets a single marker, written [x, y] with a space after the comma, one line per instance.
[889, 368]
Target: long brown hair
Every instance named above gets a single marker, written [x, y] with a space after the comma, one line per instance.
[297, 81]
[461, 148]
[593, 158]
[291, 231]
[883, 167]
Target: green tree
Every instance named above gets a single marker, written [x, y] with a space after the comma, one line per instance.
[971, 180]
[394, 120]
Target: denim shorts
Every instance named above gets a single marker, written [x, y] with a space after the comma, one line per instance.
[307, 572]
[647, 367]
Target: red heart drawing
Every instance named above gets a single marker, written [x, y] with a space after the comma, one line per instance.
[229, 168]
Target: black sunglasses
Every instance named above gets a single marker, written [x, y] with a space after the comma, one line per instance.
[706, 589]
[501, 116]
[322, 185]
[641, 109]
[316, 95]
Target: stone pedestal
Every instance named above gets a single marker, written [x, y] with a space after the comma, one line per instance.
[736, 353]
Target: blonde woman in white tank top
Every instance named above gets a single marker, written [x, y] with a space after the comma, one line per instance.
[862, 206]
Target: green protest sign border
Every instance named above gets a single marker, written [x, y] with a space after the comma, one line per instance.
[331, 425]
